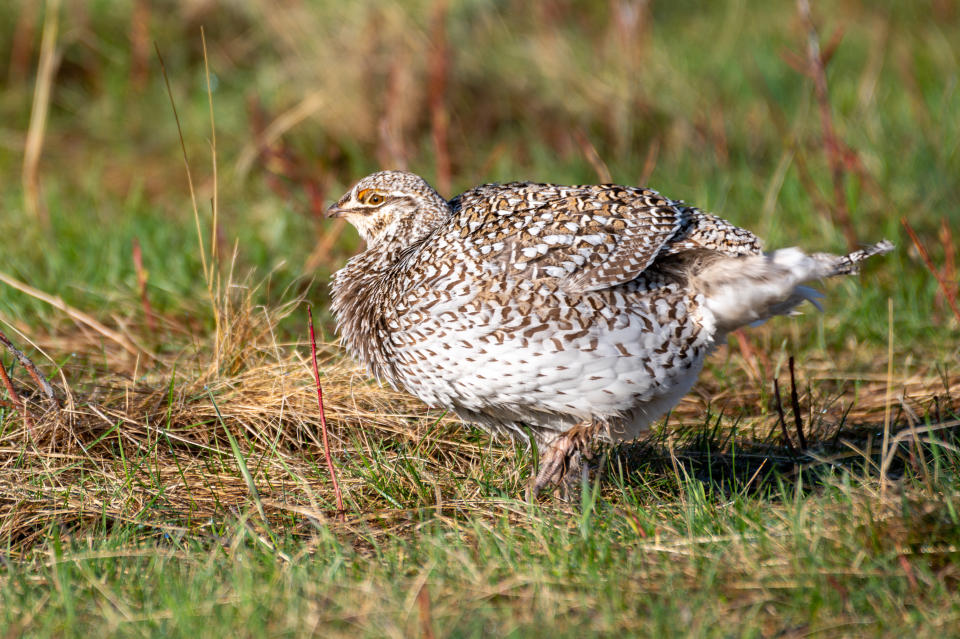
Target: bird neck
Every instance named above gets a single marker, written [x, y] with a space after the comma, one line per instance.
[365, 290]
[406, 231]
[358, 294]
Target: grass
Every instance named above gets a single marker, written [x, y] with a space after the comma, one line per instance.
[686, 561]
[181, 487]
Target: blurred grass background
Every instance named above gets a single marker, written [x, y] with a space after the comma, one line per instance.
[697, 100]
[710, 529]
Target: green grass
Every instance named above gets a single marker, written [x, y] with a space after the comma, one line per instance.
[674, 560]
[188, 496]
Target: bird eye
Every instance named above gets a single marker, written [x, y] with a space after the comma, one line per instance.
[375, 198]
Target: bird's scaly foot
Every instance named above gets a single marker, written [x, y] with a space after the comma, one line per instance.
[562, 462]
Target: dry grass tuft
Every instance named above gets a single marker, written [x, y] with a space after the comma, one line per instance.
[153, 447]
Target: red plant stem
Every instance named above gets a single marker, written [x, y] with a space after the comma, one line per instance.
[426, 616]
[947, 291]
[438, 64]
[31, 368]
[140, 43]
[21, 49]
[593, 157]
[21, 407]
[749, 357]
[341, 511]
[949, 270]
[650, 161]
[142, 283]
[949, 251]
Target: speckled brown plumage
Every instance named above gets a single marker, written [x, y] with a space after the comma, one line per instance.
[560, 309]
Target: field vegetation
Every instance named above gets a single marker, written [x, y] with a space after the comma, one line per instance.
[170, 477]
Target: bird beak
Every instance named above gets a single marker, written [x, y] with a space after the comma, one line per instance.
[336, 211]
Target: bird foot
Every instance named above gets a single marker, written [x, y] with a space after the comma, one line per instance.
[563, 463]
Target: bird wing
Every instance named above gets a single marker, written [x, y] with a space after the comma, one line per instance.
[591, 237]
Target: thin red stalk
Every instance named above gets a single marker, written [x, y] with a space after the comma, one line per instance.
[947, 291]
[749, 357]
[949, 252]
[142, 283]
[21, 407]
[341, 511]
[650, 162]
[593, 157]
[391, 152]
[437, 88]
[31, 368]
[140, 43]
[718, 133]
[426, 615]
[908, 570]
[22, 48]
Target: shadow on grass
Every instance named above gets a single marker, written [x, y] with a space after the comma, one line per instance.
[728, 465]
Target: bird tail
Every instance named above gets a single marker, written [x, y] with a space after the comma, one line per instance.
[751, 289]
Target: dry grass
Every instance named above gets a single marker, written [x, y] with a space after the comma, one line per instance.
[155, 441]
[147, 442]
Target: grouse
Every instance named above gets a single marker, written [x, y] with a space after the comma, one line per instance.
[575, 313]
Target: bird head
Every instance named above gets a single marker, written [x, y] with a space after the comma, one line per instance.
[392, 206]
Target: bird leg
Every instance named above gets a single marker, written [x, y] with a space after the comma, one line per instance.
[563, 461]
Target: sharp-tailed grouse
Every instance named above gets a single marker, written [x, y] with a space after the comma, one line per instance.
[572, 312]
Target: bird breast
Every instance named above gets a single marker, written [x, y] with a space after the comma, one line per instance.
[469, 337]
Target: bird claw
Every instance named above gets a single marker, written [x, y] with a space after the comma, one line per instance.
[559, 464]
